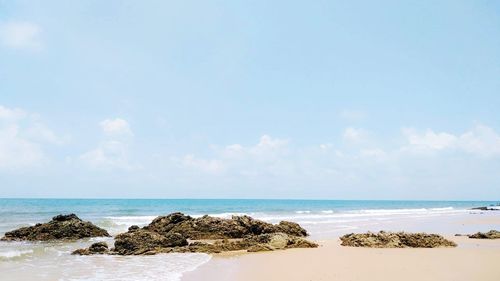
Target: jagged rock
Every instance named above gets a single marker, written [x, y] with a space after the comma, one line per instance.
[292, 228]
[96, 248]
[208, 227]
[169, 234]
[164, 224]
[61, 227]
[395, 240]
[492, 234]
[137, 242]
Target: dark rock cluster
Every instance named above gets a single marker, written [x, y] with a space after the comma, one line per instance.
[179, 233]
[492, 234]
[487, 208]
[96, 248]
[395, 240]
[61, 227]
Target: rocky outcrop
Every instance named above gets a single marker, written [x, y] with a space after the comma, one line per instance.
[143, 242]
[61, 227]
[492, 234]
[395, 240]
[179, 233]
[96, 248]
[207, 227]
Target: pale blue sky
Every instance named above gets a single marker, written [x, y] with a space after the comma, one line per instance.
[250, 99]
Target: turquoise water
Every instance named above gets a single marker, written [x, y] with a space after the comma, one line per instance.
[28, 211]
[98, 207]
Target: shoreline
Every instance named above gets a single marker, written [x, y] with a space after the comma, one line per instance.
[329, 262]
[473, 259]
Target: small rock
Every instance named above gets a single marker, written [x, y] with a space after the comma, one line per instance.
[133, 228]
[395, 240]
[492, 234]
[96, 248]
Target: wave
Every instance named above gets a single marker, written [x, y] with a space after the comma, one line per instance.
[164, 267]
[14, 253]
[326, 215]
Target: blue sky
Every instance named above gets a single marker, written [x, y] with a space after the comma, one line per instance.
[250, 99]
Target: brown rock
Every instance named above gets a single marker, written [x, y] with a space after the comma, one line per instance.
[395, 240]
[208, 227]
[492, 234]
[168, 234]
[96, 248]
[142, 241]
[61, 227]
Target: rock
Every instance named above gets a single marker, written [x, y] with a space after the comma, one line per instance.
[142, 241]
[292, 228]
[133, 228]
[395, 240]
[96, 248]
[492, 234]
[61, 227]
[208, 227]
[278, 241]
[487, 208]
[164, 224]
[169, 234]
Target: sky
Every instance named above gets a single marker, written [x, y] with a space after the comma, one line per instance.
[250, 99]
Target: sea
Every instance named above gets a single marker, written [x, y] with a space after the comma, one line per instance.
[323, 219]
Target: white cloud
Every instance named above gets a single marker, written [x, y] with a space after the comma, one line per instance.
[23, 138]
[355, 135]
[114, 151]
[480, 140]
[42, 133]
[108, 155]
[17, 152]
[115, 127]
[21, 35]
[11, 114]
[239, 158]
[429, 139]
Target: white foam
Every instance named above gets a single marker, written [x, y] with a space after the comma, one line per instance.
[224, 215]
[131, 220]
[15, 253]
[163, 267]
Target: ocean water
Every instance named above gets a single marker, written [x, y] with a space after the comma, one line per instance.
[322, 218]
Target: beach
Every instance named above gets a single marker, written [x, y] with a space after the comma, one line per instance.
[324, 220]
[471, 260]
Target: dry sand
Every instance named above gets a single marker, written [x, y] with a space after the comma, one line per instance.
[472, 260]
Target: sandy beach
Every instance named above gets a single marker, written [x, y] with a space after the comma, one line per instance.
[471, 260]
